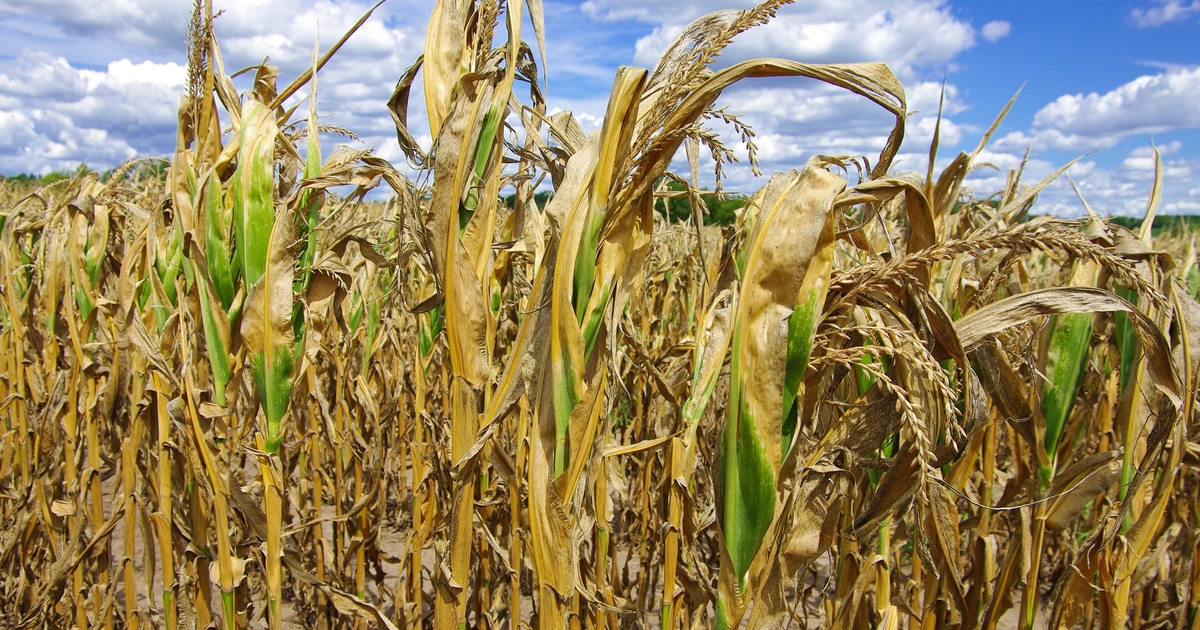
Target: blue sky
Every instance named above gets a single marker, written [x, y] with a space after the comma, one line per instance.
[82, 80]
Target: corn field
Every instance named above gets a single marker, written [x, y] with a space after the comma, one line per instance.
[245, 395]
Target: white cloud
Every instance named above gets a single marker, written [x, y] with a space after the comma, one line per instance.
[161, 25]
[996, 30]
[56, 115]
[1147, 103]
[1170, 148]
[908, 35]
[911, 35]
[1185, 206]
[1083, 122]
[40, 141]
[796, 119]
[285, 31]
[612, 10]
[104, 105]
[152, 23]
[1142, 159]
[42, 75]
[992, 167]
[354, 86]
[1163, 12]
[832, 120]
[16, 129]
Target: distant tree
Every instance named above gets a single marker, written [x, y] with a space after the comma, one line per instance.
[29, 179]
[720, 211]
[1163, 223]
[146, 170]
[541, 198]
[21, 179]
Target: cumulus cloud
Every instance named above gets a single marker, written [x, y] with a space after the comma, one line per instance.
[151, 23]
[613, 10]
[54, 115]
[794, 120]
[285, 31]
[1147, 103]
[911, 35]
[1163, 12]
[996, 30]
[1125, 190]
[1083, 122]
[908, 35]
[285, 28]
[57, 110]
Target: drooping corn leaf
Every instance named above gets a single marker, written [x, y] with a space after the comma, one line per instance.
[974, 328]
[806, 314]
[615, 138]
[309, 207]
[711, 346]
[444, 44]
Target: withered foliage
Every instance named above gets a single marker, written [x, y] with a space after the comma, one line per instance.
[242, 395]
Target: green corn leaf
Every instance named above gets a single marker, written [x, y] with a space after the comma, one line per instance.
[253, 190]
[483, 152]
[310, 212]
[217, 335]
[273, 378]
[170, 266]
[1066, 359]
[371, 333]
[216, 331]
[749, 476]
[1127, 343]
[97, 245]
[217, 243]
[86, 258]
[310, 200]
[356, 313]
[267, 330]
[429, 326]
[566, 343]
